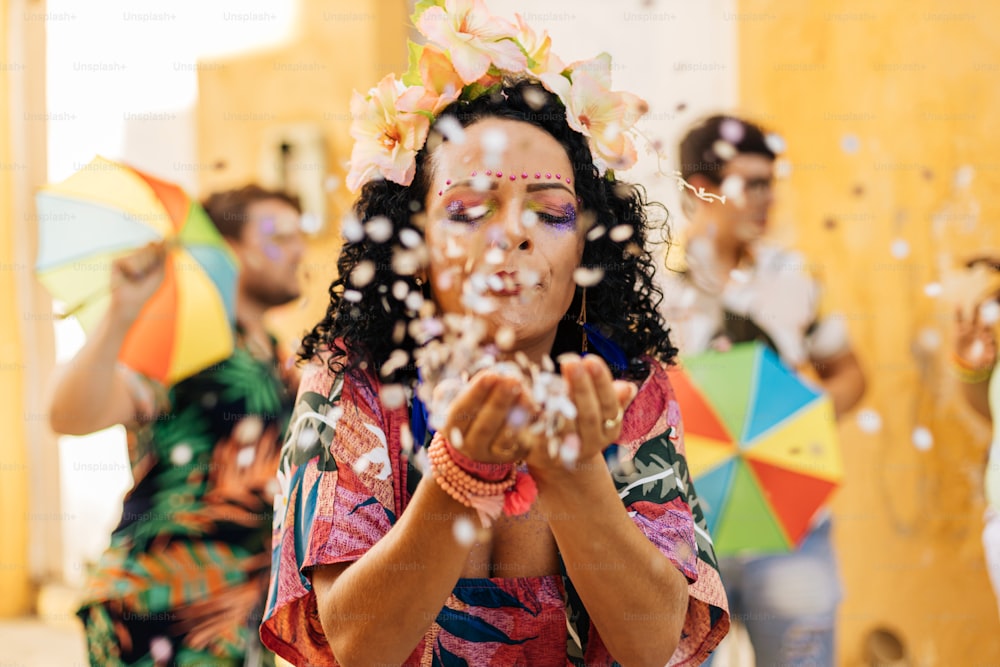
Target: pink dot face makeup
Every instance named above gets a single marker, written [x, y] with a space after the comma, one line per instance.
[504, 241]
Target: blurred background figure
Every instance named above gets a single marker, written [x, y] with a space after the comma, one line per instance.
[974, 358]
[185, 573]
[735, 286]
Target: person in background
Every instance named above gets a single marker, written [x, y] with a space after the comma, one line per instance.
[735, 286]
[974, 359]
[183, 579]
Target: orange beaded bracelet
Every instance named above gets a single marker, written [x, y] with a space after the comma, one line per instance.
[513, 495]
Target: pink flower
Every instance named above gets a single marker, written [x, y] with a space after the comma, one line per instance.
[442, 84]
[594, 110]
[541, 60]
[473, 38]
[388, 130]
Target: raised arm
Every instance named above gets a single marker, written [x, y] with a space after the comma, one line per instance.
[975, 355]
[92, 392]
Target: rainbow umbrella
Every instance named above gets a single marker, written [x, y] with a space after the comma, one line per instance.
[106, 210]
[761, 444]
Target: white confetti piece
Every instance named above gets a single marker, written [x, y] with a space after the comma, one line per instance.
[964, 176]
[245, 457]
[379, 229]
[352, 295]
[620, 233]
[596, 233]
[989, 312]
[464, 531]
[410, 238]
[505, 338]
[900, 249]
[181, 454]
[933, 290]
[776, 143]
[725, 150]
[363, 273]
[585, 277]
[307, 438]
[850, 144]
[351, 229]
[160, 650]
[248, 429]
[922, 438]
[732, 130]
[393, 396]
[310, 223]
[451, 129]
[733, 187]
[494, 141]
[869, 421]
[529, 219]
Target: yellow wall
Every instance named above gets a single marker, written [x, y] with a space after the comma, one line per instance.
[340, 46]
[915, 84]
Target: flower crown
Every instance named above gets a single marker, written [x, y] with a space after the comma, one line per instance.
[469, 53]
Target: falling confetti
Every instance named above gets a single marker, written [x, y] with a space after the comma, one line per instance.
[379, 229]
[410, 238]
[352, 295]
[724, 149]
[248, 429]
[900, 249]
[621, 233]
[393, 396]
[964, 176]
[733, 187]
[850, 144]
[464, 531]
[245, 457]
[310, 223]
[451, 129]
[181, 454]
[352, 229]
[160, 650]
[363, 273]
[535, 98]
[929, 339]
[933, 290]
[922, 438]
[585, 277]
[869, 421]
[732, 131]
[989, 312]
[306, 438]
[596, 233]
[776, 143]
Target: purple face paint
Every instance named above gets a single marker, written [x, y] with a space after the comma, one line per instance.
[267, 226]
[272, 251]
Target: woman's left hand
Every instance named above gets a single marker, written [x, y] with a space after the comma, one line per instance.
[600, 404]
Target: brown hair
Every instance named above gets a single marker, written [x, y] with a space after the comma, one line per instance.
[697, 152]
[228, 209]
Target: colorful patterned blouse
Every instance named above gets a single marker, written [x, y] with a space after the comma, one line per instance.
[345, 479]
[188, 564]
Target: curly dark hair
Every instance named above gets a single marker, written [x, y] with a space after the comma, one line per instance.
[372, 323]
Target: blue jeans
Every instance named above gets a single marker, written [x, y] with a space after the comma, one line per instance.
[788, 602]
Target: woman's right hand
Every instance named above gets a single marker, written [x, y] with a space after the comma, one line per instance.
[134, 279]
[975, 343]
[487, 420]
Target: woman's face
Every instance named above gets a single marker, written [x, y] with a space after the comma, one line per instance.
[503, 230]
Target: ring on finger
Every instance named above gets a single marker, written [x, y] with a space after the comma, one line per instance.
[611, 424]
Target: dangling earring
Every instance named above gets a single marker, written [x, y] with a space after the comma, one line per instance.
[582, 321]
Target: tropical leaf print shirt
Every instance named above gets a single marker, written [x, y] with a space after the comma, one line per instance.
[196, 526]
[346, 478]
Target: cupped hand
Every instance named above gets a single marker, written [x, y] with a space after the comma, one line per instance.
[600, 402]
[488, 421]
[975, 342]
[134, 279]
